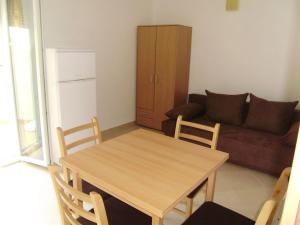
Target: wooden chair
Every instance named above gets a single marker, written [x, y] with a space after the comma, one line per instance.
[213, 214]
[65, 147]
[110, 212]
[212, 143]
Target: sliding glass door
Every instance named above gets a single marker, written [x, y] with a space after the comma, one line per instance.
[25, 54]
[9, 141]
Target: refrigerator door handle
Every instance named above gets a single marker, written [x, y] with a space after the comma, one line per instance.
[67, 81]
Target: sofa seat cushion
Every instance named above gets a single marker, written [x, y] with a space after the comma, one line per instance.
[254, 149]
[259, 150]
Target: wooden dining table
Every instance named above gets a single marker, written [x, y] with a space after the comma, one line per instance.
[147, 170]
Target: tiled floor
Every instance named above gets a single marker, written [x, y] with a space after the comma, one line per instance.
[237, 188]
[27, 196]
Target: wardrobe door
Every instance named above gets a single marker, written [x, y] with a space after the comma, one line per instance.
[166, 52]
[145, 74]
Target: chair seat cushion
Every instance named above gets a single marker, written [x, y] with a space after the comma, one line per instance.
[197, 189]
[88, 188]
[213, 214]
[119, 213]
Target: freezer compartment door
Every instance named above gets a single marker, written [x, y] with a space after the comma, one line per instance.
[73, 66]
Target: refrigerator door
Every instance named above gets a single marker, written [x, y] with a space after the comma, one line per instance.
[72, 66]
[77, 103]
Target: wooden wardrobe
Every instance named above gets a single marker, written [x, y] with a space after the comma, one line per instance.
[163, 63]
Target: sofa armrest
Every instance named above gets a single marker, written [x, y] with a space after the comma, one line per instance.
[296, 116]
[168, 127]
[290, 138]
[188, 111]
[198, 98]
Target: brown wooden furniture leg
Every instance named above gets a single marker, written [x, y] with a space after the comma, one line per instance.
[210, 191]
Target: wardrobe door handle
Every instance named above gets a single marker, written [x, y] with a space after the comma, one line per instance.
[156, 78]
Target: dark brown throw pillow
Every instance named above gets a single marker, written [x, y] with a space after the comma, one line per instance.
[270, 116]
[188, 111]
[225, 108]
[291, 137]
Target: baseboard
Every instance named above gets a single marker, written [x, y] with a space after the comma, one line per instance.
[123, 126]
[119, 130]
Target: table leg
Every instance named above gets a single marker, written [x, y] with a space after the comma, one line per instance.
[77, 184]
[157, 220]
[210, 190]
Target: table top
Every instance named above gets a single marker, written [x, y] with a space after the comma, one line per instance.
[148, 170]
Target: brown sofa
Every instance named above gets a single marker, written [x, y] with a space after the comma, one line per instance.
[263, 151]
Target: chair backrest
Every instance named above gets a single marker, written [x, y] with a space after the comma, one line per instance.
[210, 142]
[96, 137]
[266, 215]
[70, 202]
[65, 147]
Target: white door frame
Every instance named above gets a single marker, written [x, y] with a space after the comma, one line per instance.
[41, 87]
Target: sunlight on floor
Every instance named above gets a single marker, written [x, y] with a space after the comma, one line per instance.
[28, 196]
[9, 147]
[27, 192]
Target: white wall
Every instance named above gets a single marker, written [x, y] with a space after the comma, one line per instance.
[293, 84]
[109, 27]
[237, 52]
[251, 50]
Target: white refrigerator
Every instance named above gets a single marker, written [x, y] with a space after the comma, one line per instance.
[71, 91]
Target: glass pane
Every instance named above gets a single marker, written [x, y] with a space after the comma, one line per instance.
[25, 76]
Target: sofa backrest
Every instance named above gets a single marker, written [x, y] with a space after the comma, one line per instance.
[201, 99]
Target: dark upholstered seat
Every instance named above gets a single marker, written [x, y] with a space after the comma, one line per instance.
[197, 189]
[266, 152]
[213, 214]
[119, 213]
[88, 188]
